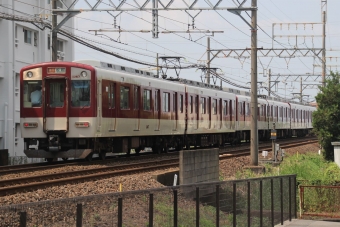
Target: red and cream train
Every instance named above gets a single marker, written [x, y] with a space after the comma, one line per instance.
[92, 107]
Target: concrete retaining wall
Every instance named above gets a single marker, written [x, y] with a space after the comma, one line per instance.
[197, 166]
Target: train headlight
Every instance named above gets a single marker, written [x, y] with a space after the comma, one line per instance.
[29, 74]
[83, 74]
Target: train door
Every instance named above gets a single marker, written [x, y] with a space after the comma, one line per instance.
[174, 114]
[136, 106]
[56, 105]
[157, 113]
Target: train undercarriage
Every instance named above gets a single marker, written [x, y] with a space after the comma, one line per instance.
[56, 145]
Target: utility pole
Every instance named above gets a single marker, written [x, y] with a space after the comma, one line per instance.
[54, 32]
[323, 48]
[253, 134]
[208, 60]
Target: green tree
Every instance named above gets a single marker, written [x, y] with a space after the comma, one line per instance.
[326, 120]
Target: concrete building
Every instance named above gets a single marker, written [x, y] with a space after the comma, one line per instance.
[22, 44]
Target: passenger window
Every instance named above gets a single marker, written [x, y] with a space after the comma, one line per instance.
[166, 101]
[124, 97]
[147, 100]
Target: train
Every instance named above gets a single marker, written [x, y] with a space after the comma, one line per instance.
[89, 107]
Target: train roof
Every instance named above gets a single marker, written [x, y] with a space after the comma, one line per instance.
[110, 66]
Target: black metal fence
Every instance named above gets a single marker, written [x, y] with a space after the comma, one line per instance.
[250, 202]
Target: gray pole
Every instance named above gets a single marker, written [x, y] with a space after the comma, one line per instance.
[301, 89]
[157, 67]
[208, 61]
[323, 47]
[269, 74]
[54, 32]
[254, 134]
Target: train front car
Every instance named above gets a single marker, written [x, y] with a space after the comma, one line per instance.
[58, 110]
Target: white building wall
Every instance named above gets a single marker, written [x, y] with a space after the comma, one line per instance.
[15, 54]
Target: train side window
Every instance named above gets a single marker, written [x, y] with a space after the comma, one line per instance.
[214, 106]
[156, 100]
[166, 102]
[111, 94]
[136, 97]
[80, 93]
[174, 106]
[124, 98]
[191, 104]
[203, 105]
[147, 100]
[225, 108]
[181, 103]
[268, 111]
[196, 104]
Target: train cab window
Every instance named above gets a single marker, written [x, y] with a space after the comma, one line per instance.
[147, 100]
[214, 106]
[124, 98]
[32, 93]
[203, 105]
[157, 100]
[56, 95]
[80, 93]
[181, 103]
[166, 102]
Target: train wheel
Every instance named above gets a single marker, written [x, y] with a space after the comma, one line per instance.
[89, 157]
[49, 160]
[102, 155]
[137, 150]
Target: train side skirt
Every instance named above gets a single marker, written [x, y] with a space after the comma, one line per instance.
[73, 153]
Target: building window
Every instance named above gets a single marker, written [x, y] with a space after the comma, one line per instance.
[27, 36]
[166, 100]
[147, 100]
[60, 46]
[124, 98]
[35, 35]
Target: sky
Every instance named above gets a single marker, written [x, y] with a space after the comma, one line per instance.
[236, 35]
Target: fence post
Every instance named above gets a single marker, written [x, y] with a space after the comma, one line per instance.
[120, 212]
[261, 204]
[294, 183]
[151, 210]
[175, 209]
[248, 198]
[281, 198]
[23, 218]
[217, 205]
[272, 199]
[234, 204]
[301, 200]
[79, 215]
[197, 207]
[290, 200]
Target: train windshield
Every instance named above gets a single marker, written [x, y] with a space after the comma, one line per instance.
[32, 93]
[80, 93]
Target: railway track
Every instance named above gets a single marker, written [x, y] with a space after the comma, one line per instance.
[16, 185]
